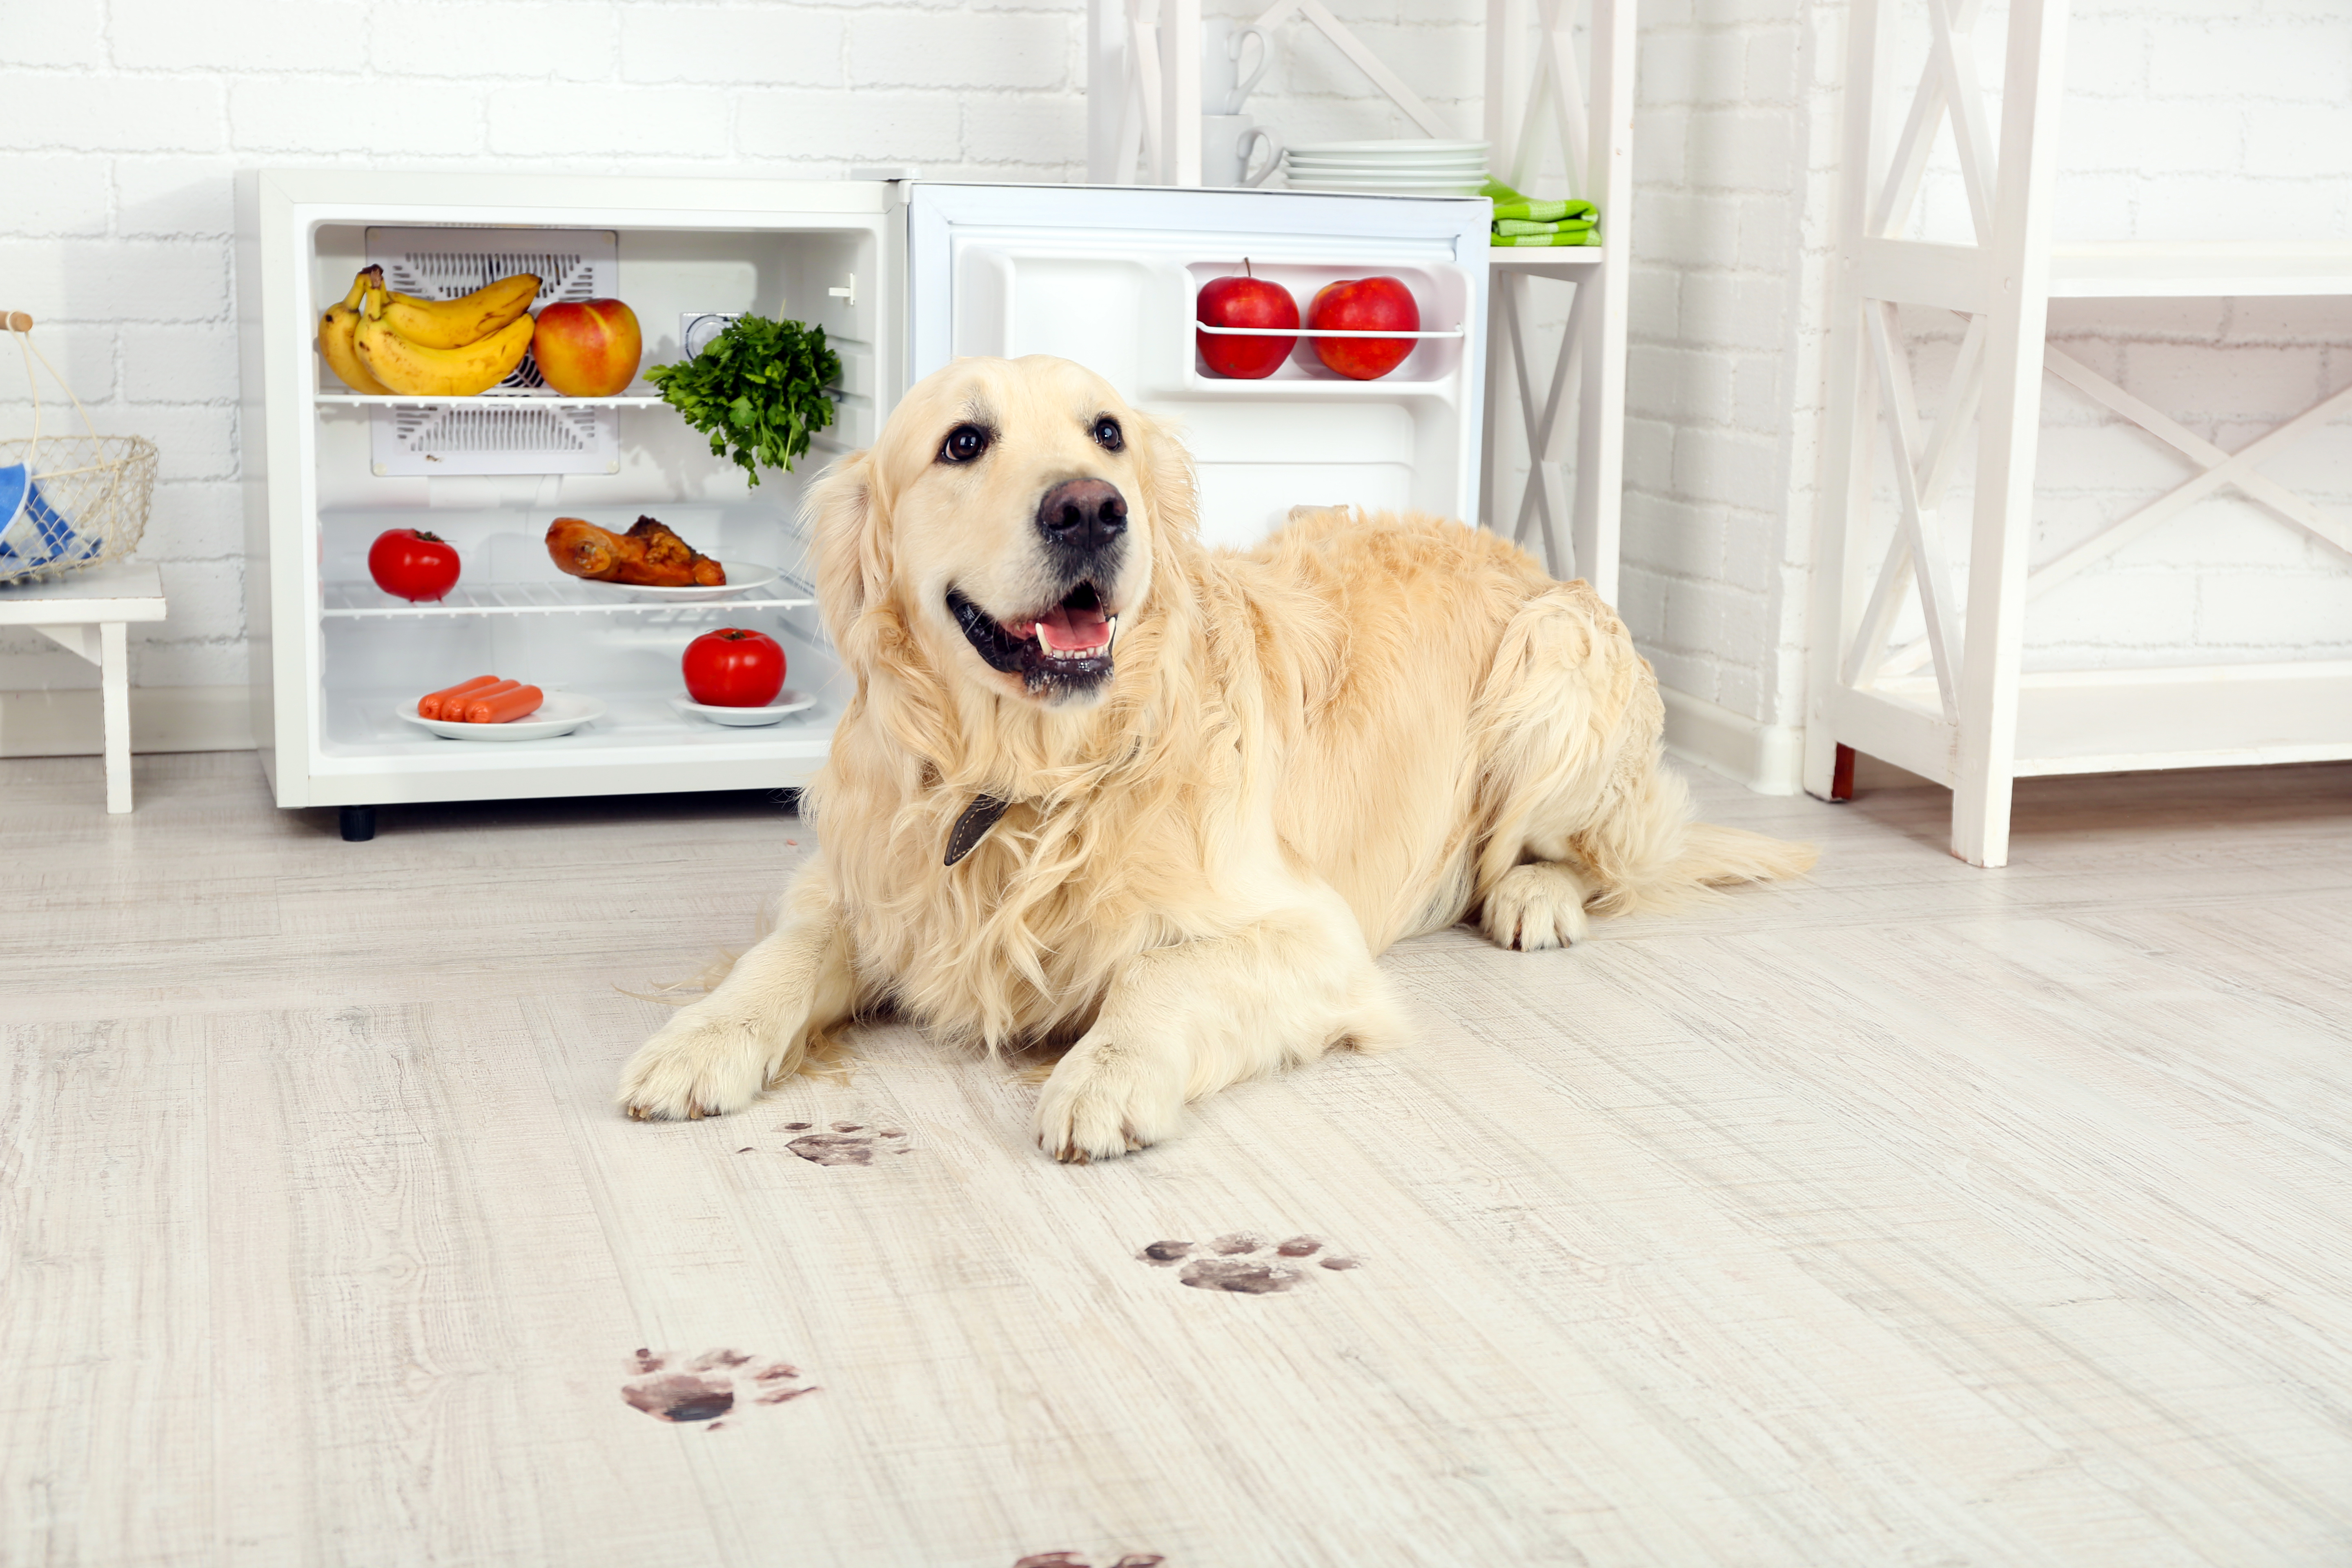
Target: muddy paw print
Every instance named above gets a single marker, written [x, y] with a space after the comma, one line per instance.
[1072, 1560]
[848, 1143]
[1244, 1264]
[670, 1387]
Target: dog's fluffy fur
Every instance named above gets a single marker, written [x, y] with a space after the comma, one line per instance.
[1367, 729]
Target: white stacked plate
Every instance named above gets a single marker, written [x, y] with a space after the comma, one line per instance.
[1414, 166]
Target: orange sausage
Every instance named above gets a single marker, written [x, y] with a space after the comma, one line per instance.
[500, 706]
[455, 712]
[430, 706]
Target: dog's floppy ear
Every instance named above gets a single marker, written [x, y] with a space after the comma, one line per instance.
[1166, 469]
[845, 519]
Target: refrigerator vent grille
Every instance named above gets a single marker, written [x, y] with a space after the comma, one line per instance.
[516, 426]
[496, 437]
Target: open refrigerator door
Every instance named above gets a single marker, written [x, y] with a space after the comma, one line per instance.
[1110, 277]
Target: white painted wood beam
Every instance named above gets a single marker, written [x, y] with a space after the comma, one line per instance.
[1347, 43]
[1929, 561]
[2033, 85]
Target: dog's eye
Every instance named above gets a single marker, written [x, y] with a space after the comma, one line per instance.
[1107, 435]
[964, 443]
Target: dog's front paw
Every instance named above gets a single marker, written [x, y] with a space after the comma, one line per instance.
[703, 1062]
[1536, 906]
[1110, 1097]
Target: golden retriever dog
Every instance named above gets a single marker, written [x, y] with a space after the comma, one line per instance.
[1103, 788]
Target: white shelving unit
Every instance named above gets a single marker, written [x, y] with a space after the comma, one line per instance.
[1537, 99]
[1976, 722]
[335, 657]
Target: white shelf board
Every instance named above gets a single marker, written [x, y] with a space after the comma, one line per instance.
[352, 601]
[1291, 381]
[2205, 269]
[365, 400]
[370, 757]
[2132, 720]
[1536, 257]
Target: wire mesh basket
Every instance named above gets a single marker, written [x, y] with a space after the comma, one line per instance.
[68, 501]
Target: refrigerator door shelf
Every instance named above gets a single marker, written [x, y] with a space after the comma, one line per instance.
[1442, 291]
[1316, 332]
[1133, 320]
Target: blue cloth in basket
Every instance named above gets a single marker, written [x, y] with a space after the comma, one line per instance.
[33, 533]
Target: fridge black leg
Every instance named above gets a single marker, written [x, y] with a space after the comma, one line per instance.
[358, 824]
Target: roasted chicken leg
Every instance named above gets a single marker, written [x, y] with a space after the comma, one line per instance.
[649, 556]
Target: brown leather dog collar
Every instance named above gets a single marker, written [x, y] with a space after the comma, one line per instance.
[973, 825]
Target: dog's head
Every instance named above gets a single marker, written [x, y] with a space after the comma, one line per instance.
[1008, 520]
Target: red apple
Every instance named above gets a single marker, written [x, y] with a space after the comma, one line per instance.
[587, 348]
[1364, 305]
[1245, 301]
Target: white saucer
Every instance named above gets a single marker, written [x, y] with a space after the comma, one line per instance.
[1392, 147]
[563, 712]
[742, 576]
[788, 702]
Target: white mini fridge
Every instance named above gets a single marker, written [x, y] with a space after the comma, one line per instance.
[902, 276]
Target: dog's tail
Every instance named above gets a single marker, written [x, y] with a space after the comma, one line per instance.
[1647, 853]
[1715, 857]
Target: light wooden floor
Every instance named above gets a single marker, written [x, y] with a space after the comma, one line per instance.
[1919, 1215]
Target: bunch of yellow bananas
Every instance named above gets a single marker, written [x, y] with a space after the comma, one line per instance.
[384, 342]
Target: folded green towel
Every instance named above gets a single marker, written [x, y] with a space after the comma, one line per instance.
[1565, 225]
[1520, 219]
[1541, 211]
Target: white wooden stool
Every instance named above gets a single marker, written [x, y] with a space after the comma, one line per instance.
[85, 612]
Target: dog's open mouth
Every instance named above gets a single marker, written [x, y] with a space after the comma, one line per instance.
[1064, 647]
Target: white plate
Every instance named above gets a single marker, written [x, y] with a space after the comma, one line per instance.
[1472, 172]
[1404, 146]
[563, 712]
[1387, 182]
[1351, 171]
[1381, 188]
[742, 577]
[788, 702]
[1383, 160]
[1449, 176]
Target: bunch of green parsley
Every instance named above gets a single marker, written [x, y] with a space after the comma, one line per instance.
[758, 389]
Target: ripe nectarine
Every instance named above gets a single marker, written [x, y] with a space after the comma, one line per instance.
[587, 348]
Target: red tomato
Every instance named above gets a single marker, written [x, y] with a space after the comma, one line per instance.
[412, 564]
[731, 668]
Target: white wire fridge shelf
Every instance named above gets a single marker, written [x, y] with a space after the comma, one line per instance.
[351, 600]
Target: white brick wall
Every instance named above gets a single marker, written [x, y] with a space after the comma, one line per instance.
[121, 121]
[1719, 200]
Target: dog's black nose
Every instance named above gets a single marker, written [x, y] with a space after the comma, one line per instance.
[1083, 514]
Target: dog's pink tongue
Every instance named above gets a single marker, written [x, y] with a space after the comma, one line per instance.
[1070, 629]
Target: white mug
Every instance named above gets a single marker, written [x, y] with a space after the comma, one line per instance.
[1222, 42]
[1225, 150]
